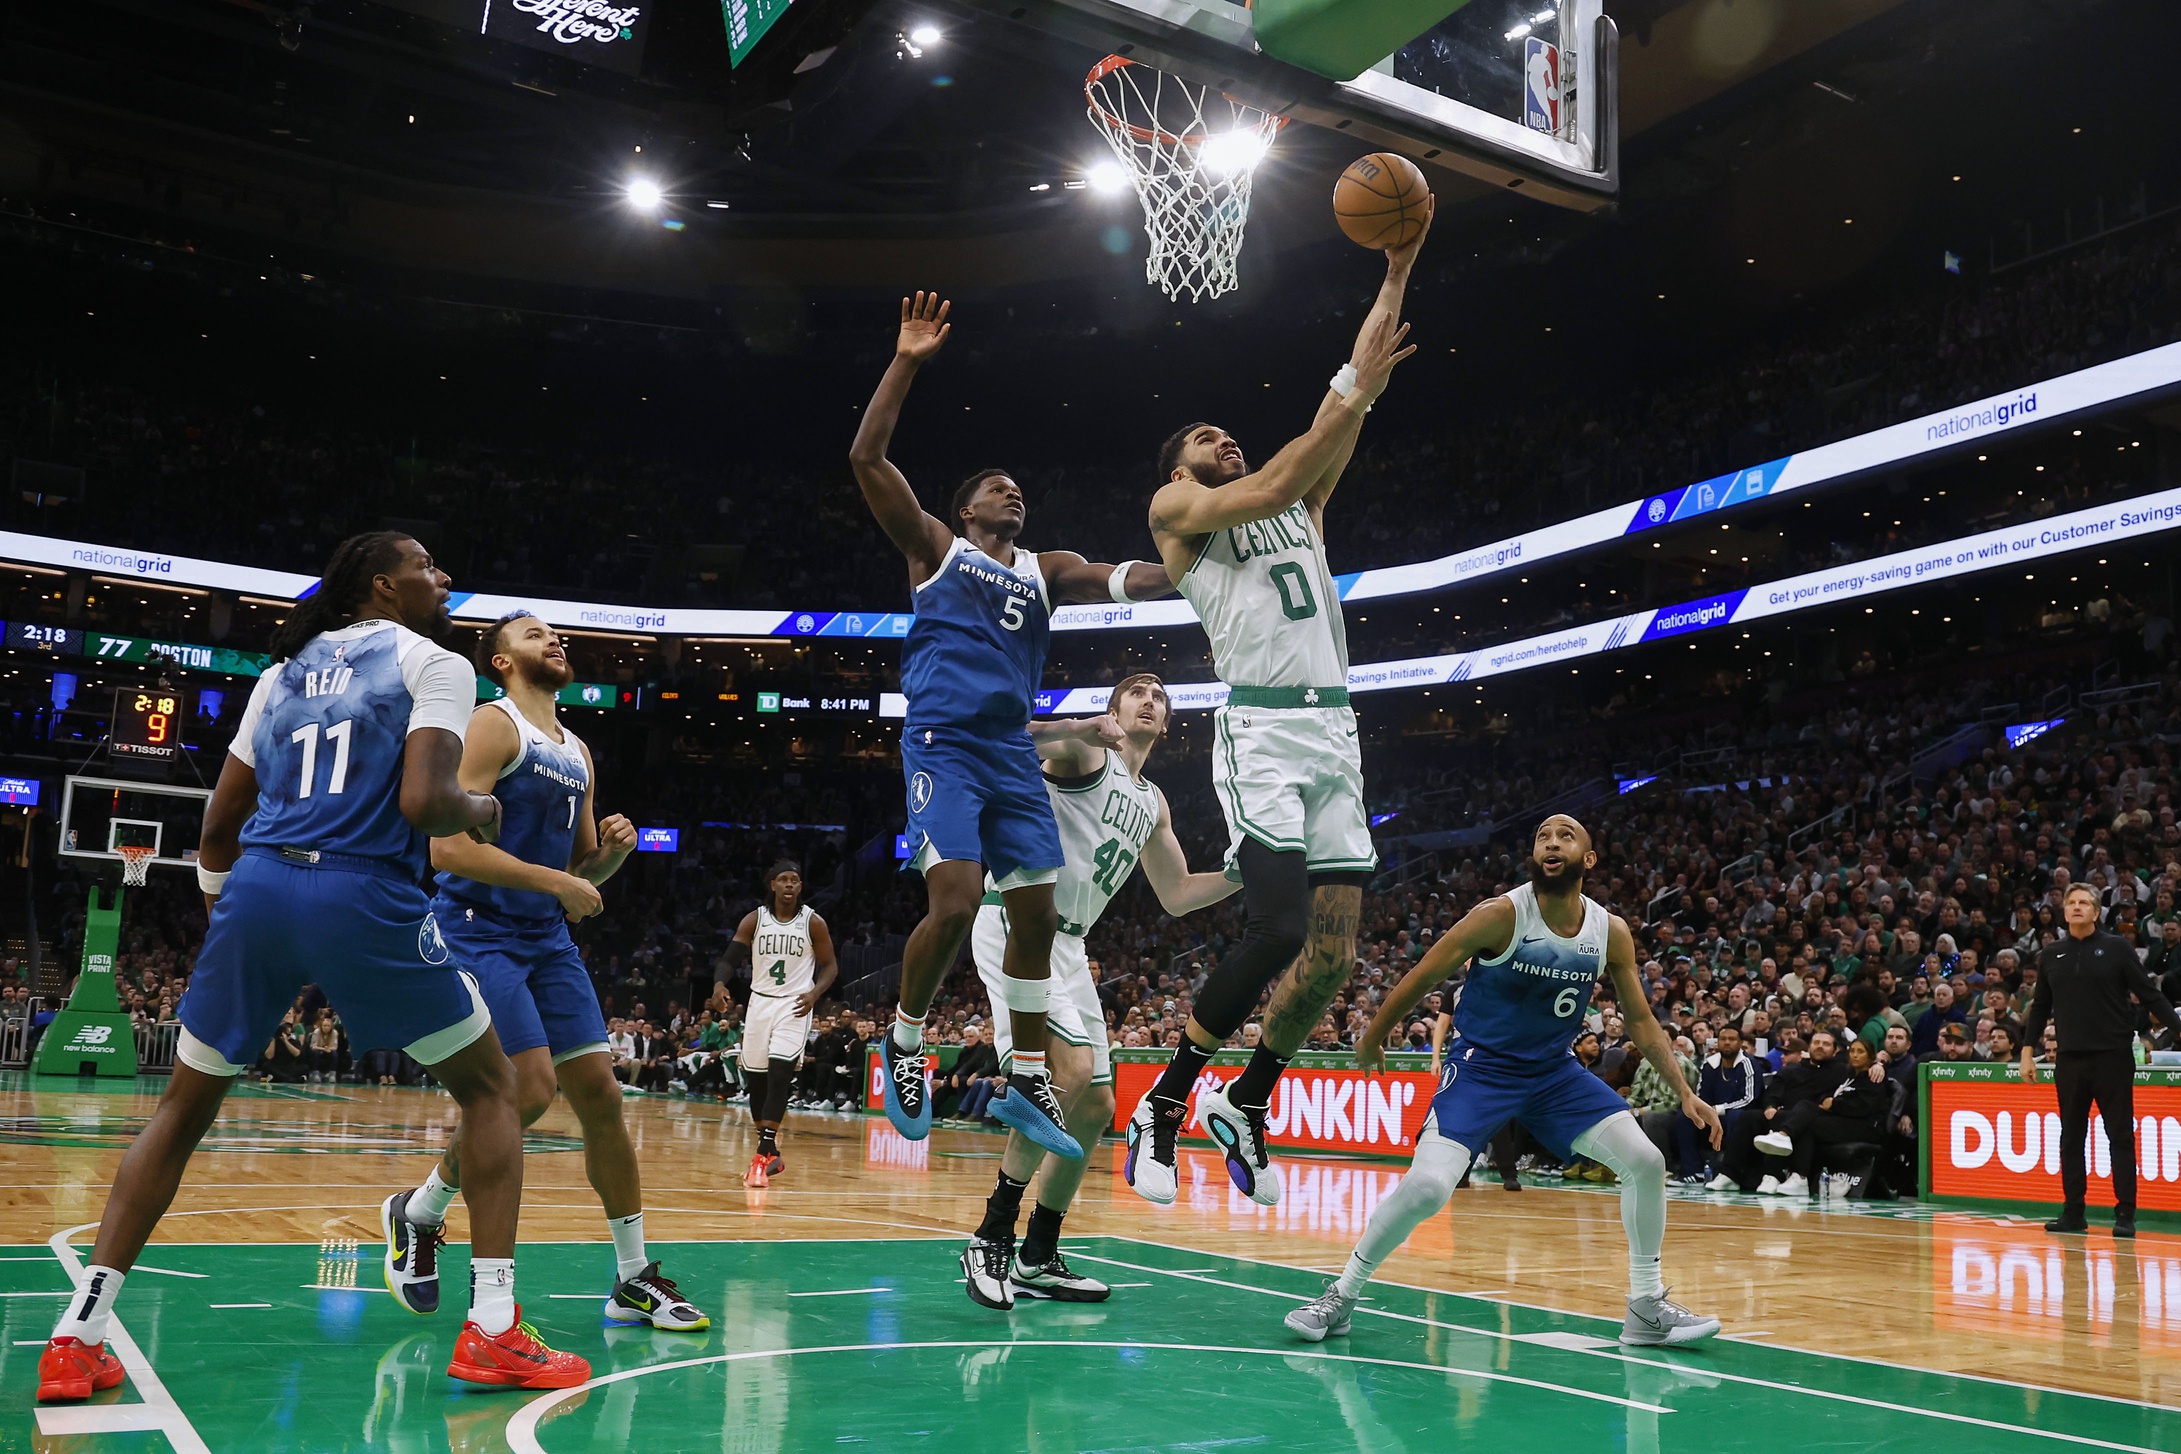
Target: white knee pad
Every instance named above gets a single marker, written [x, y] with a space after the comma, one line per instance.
[1032, 996]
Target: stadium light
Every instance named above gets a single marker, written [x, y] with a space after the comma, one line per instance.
[927, 34]
[1107, 177]
[1229, 152]
[645, 194]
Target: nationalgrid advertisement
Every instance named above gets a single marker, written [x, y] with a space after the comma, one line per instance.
[2142, 373]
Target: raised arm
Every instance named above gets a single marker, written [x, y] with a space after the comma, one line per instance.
[1186, 506]
[1075, 581]
[1644, 1031]
[1166, 868]
[1385, 311]
[491, 745]
[1071, 745]
[1485, 930]
[921, 538]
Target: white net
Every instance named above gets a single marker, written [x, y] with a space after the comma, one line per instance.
[1190, 154]
[135, 862]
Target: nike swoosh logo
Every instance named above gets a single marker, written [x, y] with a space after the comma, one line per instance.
[1534, 939]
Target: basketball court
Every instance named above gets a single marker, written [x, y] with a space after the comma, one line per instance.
[257, 1320]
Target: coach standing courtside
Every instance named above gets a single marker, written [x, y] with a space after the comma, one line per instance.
[2083, 984]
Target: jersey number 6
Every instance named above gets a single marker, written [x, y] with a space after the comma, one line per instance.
[1563, 1004]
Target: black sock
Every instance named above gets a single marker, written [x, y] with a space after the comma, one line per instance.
[1253, 1087]
[1180, 1075]
[1000, 1209]
[767, 1139]
[1042, 1240]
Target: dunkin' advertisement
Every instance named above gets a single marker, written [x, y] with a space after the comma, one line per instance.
[1995, 1139]
[1320, 1110]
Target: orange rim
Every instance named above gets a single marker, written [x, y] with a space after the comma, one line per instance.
[1150, 135]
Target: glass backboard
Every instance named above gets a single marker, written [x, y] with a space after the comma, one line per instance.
[100, 816]
[1519, 93]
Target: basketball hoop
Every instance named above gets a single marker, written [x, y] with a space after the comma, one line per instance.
[135, 862]
[1191, 160]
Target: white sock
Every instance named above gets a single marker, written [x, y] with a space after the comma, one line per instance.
[1355, 1276]
[492, 1294]
[628, 1245]
[1029, 1062]
[1644, 1276]
[908, 1033]
[92, 1306]
[427, 1205]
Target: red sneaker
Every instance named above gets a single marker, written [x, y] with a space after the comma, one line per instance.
[517, 1358]
[70, 1370]
[758, 1174]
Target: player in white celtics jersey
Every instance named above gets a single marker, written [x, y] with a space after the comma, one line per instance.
[1247, 549]
[1111, 819]
[789, 952]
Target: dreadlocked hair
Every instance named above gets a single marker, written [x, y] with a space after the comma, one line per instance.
[342, 590]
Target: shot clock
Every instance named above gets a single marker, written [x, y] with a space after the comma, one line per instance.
[147, 725]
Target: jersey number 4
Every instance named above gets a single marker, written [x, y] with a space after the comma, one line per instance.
[338, 734]
[779, 971]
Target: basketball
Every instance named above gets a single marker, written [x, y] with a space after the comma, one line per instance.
[1379, 200]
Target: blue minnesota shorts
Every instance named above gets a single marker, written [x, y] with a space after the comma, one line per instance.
[359, 929]
[981, 799]
[1557, 1100]
[531, 976]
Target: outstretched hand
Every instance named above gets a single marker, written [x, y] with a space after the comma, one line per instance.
[924, 326]
[1401, 259]
[1377, 351]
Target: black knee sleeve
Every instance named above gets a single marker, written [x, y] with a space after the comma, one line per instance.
[782, 1076]
[1276, 892]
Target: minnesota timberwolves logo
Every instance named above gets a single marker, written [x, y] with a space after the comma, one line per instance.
[431, 944]
[919, 792]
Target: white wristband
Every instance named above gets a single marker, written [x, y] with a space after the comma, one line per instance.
[1117, 583]
[1344, 382]
[211, 882]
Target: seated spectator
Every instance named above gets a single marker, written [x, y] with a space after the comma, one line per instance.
[1851, 1112]
[976, 1063]
[1789, 1099]
[1731, 1082]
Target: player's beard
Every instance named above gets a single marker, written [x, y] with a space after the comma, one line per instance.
[1568, 880]
[543, 675]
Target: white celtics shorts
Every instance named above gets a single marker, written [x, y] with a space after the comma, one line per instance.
[774, 1031]
[1292, 778]
[1074, 1014]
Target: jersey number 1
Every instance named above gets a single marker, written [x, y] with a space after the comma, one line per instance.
[338, 734]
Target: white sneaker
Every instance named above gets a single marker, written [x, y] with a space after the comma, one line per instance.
[1327, 1315]
[1148, 1165]
[1838, 1184]
[1769, 1187]
[1241, 1135]
[1057, 1281]
[1795, 1186]
[1775, 1143]
[984, 1272]
[1653, 1321]
[1721, 1182]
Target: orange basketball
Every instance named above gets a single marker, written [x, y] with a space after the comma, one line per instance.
[1379, 200]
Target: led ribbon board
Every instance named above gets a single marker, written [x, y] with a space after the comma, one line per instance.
[2117, 523]
[2002, 414]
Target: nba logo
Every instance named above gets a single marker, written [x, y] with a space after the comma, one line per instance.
[1541, 85]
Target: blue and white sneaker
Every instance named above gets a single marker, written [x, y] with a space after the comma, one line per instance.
[908, 1089]
[1029, 1106]
[1150, 1164]
[412, 1256]
[1241, 1135]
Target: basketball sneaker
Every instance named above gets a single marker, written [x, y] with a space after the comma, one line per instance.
[412, 1256]
[1029, 1106]
[1148, 1165]
[650, 1297]
[71, 1370]
[1057, 1281]
[759, 1173]
[1327, 1315]
[1661, 1320]
[1240, 1132]
[517, 1358]
[984, 1270]
[908, 1090]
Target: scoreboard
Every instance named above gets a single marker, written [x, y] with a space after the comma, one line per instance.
[147, 725]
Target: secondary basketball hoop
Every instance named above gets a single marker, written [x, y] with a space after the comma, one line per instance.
[135, 862]
[1191, 157]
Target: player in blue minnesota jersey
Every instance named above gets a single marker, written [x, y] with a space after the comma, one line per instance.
[1536, 955]
[344, 765]
[976, 797]
[505, 908]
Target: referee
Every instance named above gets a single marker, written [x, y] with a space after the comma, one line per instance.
[2083, 984]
